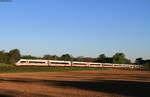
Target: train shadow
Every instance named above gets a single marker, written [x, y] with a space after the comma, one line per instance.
[15, 93]
[127, 88]
[5, 95]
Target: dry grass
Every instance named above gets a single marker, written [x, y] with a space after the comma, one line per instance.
[92, 83]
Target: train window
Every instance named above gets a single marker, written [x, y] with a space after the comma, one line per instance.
[23, 61]
[36, 62]
[58, 63]
[117, 65]
[107, 65]
[80, 63]
[95, 64]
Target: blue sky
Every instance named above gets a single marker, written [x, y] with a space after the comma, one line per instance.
[79, 27]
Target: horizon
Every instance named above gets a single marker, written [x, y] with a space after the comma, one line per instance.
[78, 27]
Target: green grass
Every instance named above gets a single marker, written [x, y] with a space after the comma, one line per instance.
[5, 68]
[4, 65]
[9, 68]
[140, 69]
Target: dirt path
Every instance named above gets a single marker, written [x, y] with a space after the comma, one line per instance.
[102, 83]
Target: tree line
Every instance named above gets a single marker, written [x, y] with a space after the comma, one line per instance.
[119, 58]
[141, 61]
[10, 57]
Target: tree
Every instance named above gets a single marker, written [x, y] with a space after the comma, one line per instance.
[7, 57]
[50, 57]
[102, 58]
[145, 63]
[128, 61]
[80, 58]
[66, 57]
[119, 58]
[2, 57]
[139, 61]
[108, 60]
[14, 55]
[29, 57]
[84, 59]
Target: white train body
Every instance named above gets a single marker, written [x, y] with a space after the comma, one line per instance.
[31, 62]
[80, 64]
[34, 62]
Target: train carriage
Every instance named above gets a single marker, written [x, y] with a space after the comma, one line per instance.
[81, 64]
[59, 63]
[30, 62]
[91, 64]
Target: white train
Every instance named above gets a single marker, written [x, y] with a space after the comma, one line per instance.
[31, 62]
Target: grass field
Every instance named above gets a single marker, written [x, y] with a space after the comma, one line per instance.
[13, 69]
[87, 83]
[5, 68]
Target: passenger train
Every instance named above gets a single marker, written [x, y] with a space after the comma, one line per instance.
[34, 62]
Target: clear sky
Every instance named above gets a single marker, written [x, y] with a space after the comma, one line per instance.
[79, 27]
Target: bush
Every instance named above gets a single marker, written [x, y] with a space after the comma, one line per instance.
[147, 66]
